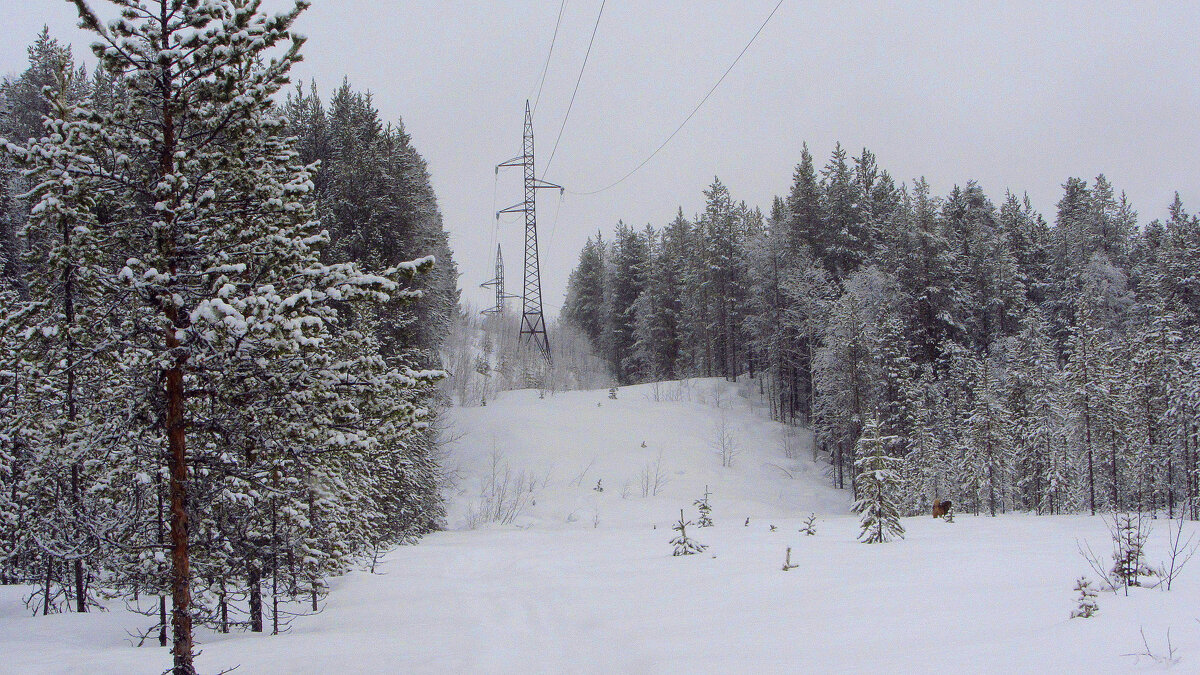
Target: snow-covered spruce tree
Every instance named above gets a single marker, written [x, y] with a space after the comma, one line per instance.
[1086, 601]
[1034, 402]
[1156, 374]
[845, 368]
[810, 526]
[1129, 534]
[876, 483]
[685, 545]
[229, 307]
[1093, 401]
[705, 510]
[991, 440]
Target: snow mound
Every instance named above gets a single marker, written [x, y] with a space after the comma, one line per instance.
[525, 461]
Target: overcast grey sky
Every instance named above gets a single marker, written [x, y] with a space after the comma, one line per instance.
[1016, 95]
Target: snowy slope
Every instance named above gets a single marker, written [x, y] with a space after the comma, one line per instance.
[557, 449]
[558, 590]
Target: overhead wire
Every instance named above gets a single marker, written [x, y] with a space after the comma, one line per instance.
[546, 66]
[576, 91]
[662, 145]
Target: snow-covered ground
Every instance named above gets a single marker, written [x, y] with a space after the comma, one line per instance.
[583, 581]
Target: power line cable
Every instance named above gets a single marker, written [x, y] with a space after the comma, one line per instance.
[691, 114]
[576, 91]
[546, 67]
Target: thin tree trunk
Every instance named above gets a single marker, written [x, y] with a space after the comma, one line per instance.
[48, 580]
[162, 542]
[223, 605]
[255, 592]
[1087, 426]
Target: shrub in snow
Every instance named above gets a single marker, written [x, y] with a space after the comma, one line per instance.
[705, 510]
[723, 440]
[1087, 599]
[877, 482]
[682, 543]
[1180, 552]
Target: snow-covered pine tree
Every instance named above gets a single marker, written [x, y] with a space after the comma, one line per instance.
[56, 337]
[876, 484]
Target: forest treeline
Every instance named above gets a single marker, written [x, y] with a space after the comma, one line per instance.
[1010, 363]
[221, 307]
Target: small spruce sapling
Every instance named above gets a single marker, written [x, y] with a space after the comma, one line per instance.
[1087, 599]
[787, 560]
[810, 526]
[705, 510]
[683, 544]
[1129, 534]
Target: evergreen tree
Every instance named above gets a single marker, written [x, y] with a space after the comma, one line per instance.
[224, 327]
[625, 284]
[876, 487]
[847, 239]
[685, 545]
[584, 306]
[705, 510]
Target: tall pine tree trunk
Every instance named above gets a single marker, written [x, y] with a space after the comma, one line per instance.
[181, 572]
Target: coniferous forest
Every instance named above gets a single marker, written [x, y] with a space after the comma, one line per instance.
[221, 305]
[1010, 362]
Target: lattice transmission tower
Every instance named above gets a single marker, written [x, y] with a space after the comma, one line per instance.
[533, 322]
[498, 283]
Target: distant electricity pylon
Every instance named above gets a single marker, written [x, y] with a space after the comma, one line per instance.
[498, 282]
[533, 323]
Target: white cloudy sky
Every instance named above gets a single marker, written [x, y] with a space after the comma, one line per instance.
[1016, 95]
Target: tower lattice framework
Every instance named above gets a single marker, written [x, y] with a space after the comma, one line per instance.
[533, 322]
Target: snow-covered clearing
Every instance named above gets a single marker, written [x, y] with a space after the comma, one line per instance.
[583, 581]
